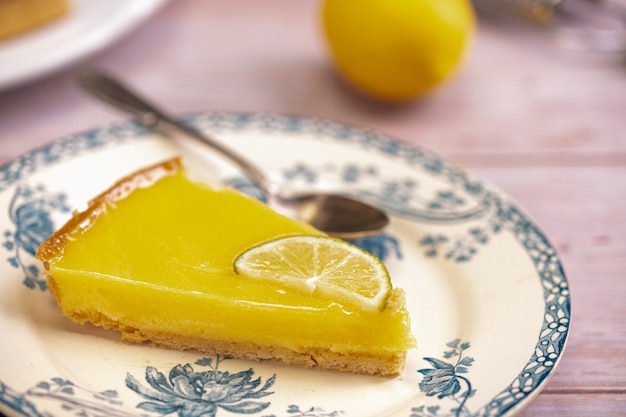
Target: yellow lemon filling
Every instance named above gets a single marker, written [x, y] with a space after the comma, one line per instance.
[153, 258]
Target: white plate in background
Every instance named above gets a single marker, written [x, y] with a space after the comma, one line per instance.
[90, 26]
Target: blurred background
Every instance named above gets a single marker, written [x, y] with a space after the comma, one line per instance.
[538, 111]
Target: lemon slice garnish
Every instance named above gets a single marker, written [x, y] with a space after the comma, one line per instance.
[320, 266]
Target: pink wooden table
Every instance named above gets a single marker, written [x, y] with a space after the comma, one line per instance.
[546, 125]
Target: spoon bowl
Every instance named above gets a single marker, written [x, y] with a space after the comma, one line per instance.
[334, 214]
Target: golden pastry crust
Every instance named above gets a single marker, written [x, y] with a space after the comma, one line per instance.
[81, 221]
[387, 365]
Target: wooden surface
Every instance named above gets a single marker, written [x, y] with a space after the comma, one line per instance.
[545, 124]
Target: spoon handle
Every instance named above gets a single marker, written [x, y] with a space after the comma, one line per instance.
[113, 92]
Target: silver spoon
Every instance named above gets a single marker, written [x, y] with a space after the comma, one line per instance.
[334, 214]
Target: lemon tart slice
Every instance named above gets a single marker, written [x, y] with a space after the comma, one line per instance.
[153, 258]
[17, 16]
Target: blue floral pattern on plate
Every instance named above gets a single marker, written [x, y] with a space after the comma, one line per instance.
[194, 394]
[445, 381]
[464, 217]
[184, 393]
[30, 211]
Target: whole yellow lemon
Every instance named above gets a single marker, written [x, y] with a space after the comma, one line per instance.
[397, 50]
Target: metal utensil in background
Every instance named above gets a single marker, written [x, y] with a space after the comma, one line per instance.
[587, 25]
[334, 214]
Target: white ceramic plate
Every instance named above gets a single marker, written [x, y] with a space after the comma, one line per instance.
[90, 26]
[488, 298]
